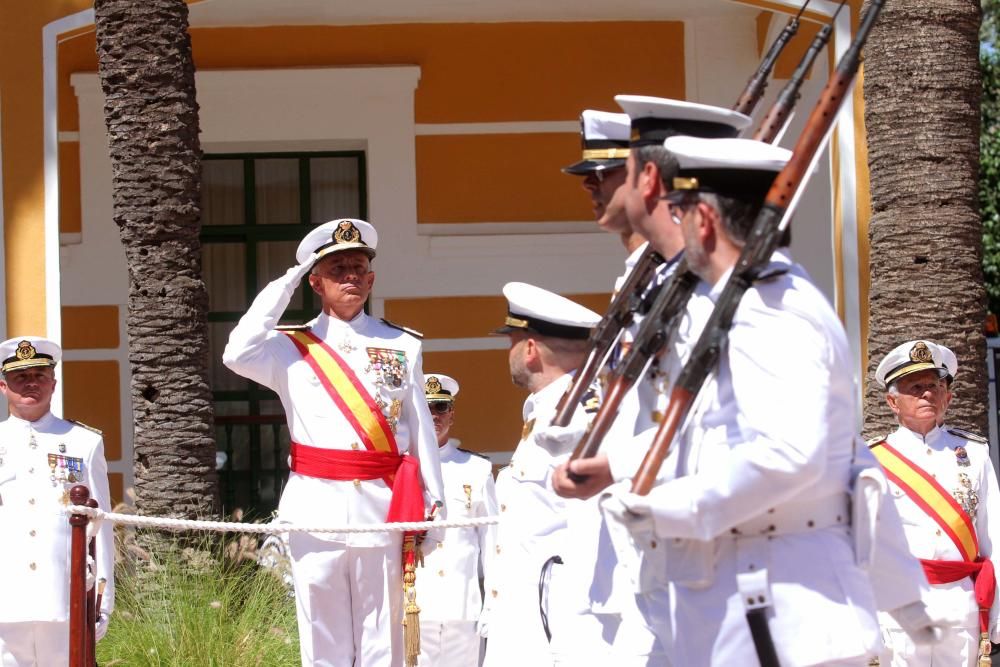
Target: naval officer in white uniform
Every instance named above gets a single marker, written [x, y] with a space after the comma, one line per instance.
[41, 458]
[951, 518]
[450, 596]
[548, 337]
[362, 443]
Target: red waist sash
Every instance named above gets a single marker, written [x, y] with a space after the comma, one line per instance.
[400, 473]
[983, 577]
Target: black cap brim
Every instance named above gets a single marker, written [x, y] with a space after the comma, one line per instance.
[584, 167]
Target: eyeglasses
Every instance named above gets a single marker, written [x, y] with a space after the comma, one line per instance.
[679, 208]
[440, 407]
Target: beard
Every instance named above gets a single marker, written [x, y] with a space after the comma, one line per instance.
[519, 373]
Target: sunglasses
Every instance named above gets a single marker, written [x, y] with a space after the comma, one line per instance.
[440, 407]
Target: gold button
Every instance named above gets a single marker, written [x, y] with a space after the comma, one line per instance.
[355, 445]
[440, 545]
[928, 450]
[503, 508]
[33, 533]
[33, 566]
[522, 472]
[357, 482]
[31, 501]
[498, 548]
[493, 592]
[938, 532]
[440, 573]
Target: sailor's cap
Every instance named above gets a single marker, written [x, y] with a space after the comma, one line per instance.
[531, 308]
[336, 236]
[605, 139]
[653, 119]
[28, 352]
[911, 357]
[740, 168]
[439, 387]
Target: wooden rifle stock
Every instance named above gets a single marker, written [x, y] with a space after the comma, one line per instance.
[754, 89]
[602, 338]
[780, 112]
[761, 243]
[651, 338]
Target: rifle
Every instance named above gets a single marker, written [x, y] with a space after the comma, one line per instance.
[756, 254]
[758, 81]
[780, 112]
[630, 296]
[607, 331]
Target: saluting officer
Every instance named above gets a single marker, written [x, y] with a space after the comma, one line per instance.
[41, 458]
[945, 489]
[362, 443]
[548, 338]
[450, 597]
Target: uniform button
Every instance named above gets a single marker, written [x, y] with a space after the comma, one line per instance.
[771, 511]
[33, 533]
[493, 592]
[357, 483]
[522, 472]
[652, 544]
[928, 450]
[440, 545]
[938, 532]
[31, 501]
[354, 445]
[31, 470]
[440, 573]
[503, 508]
[498, 548]
[751, 567]
[33, 566]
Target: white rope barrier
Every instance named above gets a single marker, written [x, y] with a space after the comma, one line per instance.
[274, 526]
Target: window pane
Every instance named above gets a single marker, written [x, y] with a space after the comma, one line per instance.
[219, 377]
[277, 190]
[222, 192]
[273, 259]
[334, 188]
[223, 266]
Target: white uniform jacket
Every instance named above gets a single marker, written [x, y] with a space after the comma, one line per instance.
[973, 484]
[759, 500]
[532, 529]
[259, 352]
[448, 584]
[40, 462]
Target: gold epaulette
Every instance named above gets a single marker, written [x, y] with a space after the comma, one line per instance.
[292, 327]
[968, 435]
[412, 332]
[89, 428]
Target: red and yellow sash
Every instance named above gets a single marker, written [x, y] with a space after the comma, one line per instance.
[931, 497]
[347, 392]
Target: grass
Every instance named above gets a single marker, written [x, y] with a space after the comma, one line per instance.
[205, 603]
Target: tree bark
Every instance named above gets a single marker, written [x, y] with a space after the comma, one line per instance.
[147, 75]
[922, 93]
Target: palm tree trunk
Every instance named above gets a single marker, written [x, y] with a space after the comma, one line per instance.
[922, 92]
[147, 75]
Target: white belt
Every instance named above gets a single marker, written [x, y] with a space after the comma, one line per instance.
[797, 517]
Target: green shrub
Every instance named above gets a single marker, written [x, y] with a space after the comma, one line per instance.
[205, 603]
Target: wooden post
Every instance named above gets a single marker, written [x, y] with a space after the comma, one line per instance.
[78, 495]
[92, 610]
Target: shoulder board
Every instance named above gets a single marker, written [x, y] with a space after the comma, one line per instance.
[968, 435]
[89, 428]
[877, 440]
[412, 332]
[469, 451]
[771, 275]
[292, 327]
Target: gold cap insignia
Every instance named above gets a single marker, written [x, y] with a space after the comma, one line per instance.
[432, 386]
[681, 183]
[921, 354]
[346, 232]
[25, 350]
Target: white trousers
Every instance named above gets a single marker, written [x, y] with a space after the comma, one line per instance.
[34, 644]
[349, 602]
[958, 648]
[448, 643]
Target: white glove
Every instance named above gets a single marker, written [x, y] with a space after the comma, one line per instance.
[630, 510]
[91, 573]
[483, 624]
[558, 439]
[915, 622]
[101, 628]
[295, 274]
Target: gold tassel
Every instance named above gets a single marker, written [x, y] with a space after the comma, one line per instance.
[984, 650]
[411, 612]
